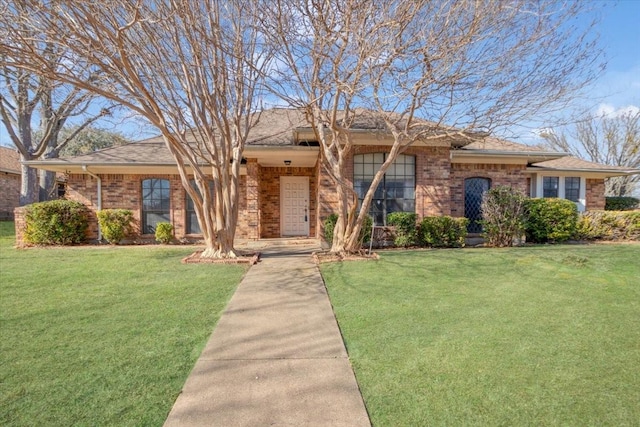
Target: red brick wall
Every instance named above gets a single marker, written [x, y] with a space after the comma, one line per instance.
[124, 192]
[249, 203]
[269, 190]
[595, 194]
[19, 225]
[508, 175]
[9, 194]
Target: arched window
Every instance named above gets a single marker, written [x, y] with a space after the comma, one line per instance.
[155, 204]
[474, 188]
[397, 190]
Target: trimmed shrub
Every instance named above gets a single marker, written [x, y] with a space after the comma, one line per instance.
[56, 222]
[330, 224]
[443, 231]
[164, 232]
[551, 220]
[115, 224]
[609, 225]
[406, 231]
[504, 216]
[621, 203]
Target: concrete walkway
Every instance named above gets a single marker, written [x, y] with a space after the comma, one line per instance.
[276, 356]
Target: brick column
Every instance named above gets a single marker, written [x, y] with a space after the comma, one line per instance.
[253, 199]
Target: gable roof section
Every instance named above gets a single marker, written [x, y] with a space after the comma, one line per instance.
[495, 150]
[10, 160]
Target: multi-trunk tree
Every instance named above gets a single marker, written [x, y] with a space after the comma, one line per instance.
[423, 71]
[190, 67]
[34, 109]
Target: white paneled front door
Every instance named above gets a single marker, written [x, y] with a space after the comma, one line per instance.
[294, 205]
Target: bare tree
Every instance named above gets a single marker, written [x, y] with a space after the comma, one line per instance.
[34, 109]
[476, 66]
[90, 139]
[606, 139]
[191, 68]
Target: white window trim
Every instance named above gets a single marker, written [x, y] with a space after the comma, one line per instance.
[537, 191]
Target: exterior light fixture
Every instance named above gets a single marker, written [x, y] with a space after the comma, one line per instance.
[287, 162]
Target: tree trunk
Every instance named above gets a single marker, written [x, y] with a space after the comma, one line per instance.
[29, 186]
[48, 186]
[338, 245]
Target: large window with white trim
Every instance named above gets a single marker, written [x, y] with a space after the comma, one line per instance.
[561, 186]
[155, 204]
[397, 190]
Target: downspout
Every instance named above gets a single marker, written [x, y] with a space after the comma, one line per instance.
[84, 168]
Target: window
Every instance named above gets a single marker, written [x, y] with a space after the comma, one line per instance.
[396, 191]
[550, 186]
[192, 220]
[572, 188]
[155, 204]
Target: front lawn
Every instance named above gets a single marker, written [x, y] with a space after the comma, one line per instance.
[546, 335]
[101, 335]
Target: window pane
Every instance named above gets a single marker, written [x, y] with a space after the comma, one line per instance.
[156, 204]
[572, 188]
[550, 186]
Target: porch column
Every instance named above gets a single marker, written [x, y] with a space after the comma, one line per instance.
[253, 202]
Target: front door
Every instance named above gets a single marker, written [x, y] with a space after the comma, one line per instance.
[294, 205]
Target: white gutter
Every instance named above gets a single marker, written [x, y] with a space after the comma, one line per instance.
[84, 168]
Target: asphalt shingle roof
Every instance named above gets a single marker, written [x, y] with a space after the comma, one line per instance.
[9, 160]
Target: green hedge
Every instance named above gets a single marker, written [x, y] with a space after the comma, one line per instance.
[115, 224]
[443, 232]
[406, 231]
[621, 203]
[56, 222]
[609, 225]
[551, 220]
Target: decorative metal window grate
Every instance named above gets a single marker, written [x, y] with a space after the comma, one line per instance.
[474, 188]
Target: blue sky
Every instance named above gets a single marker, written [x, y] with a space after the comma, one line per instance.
[619, 31]
[617, 89]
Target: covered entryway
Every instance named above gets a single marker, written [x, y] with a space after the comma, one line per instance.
[474, 188]
[294, 206]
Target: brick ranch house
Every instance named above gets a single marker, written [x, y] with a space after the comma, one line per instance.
[284, 190]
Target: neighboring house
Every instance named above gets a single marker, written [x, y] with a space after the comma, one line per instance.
[284, 190]
[10, 181]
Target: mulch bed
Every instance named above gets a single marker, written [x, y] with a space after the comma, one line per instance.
[244, 258]
[322, 257]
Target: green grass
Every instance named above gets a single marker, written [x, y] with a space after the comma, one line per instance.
[536, 336]
[101, 335]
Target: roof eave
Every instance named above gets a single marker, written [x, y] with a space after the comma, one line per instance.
[604, 172]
